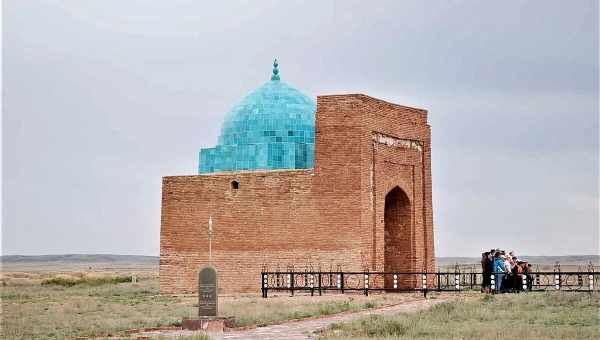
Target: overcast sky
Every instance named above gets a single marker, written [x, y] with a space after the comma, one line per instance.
[103, 98]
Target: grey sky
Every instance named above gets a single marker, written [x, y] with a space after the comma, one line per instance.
[102, 98]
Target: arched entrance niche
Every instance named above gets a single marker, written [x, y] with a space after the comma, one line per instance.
[397, 236]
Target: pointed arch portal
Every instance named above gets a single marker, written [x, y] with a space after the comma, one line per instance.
[397, 234]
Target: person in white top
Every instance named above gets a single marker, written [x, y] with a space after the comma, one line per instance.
[507, 264]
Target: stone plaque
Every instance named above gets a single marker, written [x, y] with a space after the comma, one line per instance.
[207, 292]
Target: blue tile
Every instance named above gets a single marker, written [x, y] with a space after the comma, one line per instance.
[271, 128]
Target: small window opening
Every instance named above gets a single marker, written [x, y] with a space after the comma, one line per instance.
[235, 185]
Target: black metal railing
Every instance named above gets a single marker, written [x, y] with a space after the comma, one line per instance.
[319, 282]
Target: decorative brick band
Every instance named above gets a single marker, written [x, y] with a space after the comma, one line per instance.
[397, 142]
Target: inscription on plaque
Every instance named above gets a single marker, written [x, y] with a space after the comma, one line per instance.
[207, 292]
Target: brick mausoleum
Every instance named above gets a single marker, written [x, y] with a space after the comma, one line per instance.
[343, 182]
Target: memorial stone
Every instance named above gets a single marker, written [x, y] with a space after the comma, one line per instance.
[207, 292]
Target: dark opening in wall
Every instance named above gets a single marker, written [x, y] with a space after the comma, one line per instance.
[235, 185]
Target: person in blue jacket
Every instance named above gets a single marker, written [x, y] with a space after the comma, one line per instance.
[499, 270]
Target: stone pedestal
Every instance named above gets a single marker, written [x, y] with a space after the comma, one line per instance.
[208, 324]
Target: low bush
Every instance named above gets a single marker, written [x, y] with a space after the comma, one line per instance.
[371, 304]
[90, 281]
[334, 307]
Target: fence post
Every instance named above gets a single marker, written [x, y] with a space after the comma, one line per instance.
[312, 284]
[456, 278]
[342, 281]
[557, 277]
[330, 279]
[278, 277]
[264, 285]
[591, 276]
[319, 283]
[292, 282]
[424, 283]
[366, 284]
[471, 279]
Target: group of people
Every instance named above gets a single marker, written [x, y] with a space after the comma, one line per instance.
[507, 271]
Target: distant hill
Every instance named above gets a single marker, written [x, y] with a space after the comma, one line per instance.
[546, 260]
[154, 260]
[80, 258]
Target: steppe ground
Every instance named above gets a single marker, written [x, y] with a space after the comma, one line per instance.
[551, 315]
[55, 300]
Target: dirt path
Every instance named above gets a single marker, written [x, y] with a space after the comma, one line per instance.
[305, 329]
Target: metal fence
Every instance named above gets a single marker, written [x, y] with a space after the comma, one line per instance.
[320, 282]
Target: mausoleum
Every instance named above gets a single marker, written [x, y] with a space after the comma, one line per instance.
[343, 182]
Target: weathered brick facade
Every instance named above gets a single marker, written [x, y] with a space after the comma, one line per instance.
[365, 205]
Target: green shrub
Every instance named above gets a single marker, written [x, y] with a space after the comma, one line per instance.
[371, 304]
[334, 307]
[378, 325]
[488, 298]
[90, 281]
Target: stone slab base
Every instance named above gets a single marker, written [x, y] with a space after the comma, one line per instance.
[208, 324]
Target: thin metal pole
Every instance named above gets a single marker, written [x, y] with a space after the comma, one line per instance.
[210, 240]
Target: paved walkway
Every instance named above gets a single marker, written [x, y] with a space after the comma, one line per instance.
[305, 329]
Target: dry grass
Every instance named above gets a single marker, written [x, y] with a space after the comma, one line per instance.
[53, 311]
[258, 311]
[31, 310]
[553, 315]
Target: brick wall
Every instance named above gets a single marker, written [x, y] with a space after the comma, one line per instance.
[334, 214]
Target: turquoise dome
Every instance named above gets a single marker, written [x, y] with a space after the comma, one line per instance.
[271, 128]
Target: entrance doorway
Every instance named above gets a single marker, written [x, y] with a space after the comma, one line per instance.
[397, 236]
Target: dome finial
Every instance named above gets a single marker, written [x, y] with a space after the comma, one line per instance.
[275, 75]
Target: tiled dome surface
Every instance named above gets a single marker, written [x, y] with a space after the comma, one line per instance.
[272, 128]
